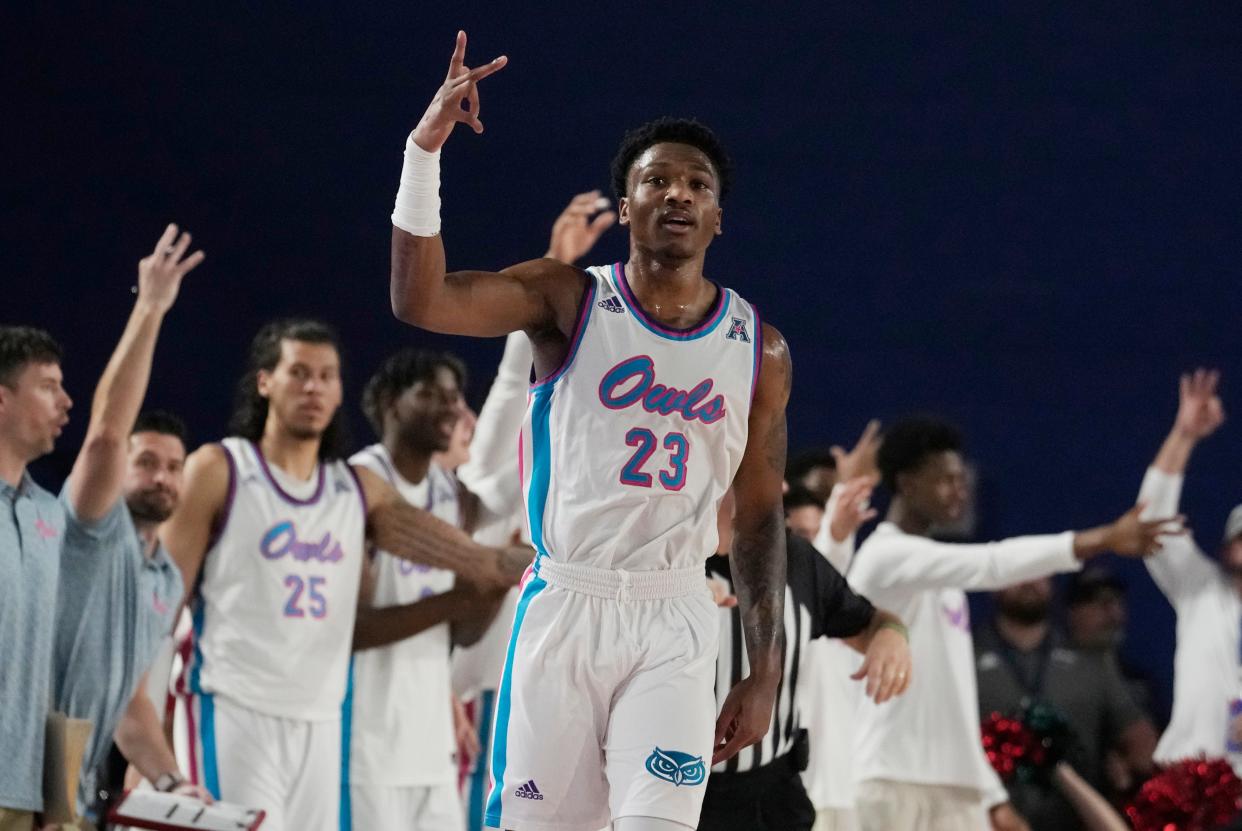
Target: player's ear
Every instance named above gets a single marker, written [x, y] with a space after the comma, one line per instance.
[263, 382]
[623, 211]
[719, 216]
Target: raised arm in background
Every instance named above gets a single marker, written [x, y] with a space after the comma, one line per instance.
[1179, 567]
[98, 473]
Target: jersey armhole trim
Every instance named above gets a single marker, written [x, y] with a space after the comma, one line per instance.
[222, 519]
[584, 316]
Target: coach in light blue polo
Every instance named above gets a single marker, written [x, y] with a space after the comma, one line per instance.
[33, 410]
[119, 592]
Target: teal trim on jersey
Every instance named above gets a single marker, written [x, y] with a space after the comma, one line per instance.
[347, 721]
[478, 776]
[584, 317]
[207, 737]
[540, 468]
[500, 744]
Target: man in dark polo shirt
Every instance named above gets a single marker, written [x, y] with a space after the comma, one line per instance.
[1021, 660]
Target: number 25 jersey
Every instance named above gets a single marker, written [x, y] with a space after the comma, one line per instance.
[274, 609]
[629, 446]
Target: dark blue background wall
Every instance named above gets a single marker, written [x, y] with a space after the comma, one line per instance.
[1025, 218]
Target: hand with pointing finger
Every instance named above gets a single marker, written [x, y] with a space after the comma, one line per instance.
[457, 100]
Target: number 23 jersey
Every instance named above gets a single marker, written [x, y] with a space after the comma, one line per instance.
[629, 446]
[274, 609]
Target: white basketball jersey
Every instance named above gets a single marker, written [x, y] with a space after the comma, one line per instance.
[401, 714]
[274, 608]
[629, 446]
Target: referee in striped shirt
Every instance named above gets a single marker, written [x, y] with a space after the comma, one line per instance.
[760, 789]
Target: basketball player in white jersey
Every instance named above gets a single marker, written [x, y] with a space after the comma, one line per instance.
[275, 521]
[656, 389]
[399, 715]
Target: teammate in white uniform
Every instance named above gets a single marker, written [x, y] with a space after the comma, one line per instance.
[491, 475]
[657, 388]
[918, 760]
[276, 522]
[401, 771]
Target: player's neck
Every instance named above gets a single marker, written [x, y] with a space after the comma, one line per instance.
[1020, 634]
[295, 456]
[907, 520]
[410, 463]
[674, 292]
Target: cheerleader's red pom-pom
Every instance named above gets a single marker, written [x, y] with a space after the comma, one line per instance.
[1192, 795]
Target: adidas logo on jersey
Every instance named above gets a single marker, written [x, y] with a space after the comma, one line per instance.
[611, 304]
[528, 791]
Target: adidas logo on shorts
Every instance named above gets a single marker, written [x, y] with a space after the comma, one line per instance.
[611, 304]
[528, 791]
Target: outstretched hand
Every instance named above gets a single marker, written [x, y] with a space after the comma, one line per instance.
[575, 233]
[457, 100]
[1199, 411]
[1131, 536]
[160, 272]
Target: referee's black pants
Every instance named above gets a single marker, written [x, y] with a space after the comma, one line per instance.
[769, 798]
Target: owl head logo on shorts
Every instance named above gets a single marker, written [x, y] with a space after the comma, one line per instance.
[675, 767]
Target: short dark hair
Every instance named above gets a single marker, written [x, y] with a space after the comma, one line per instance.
[677, 130]
[399, 372]
[22, 345]
[805, 461]
[908, 443]
[250, 408]
[799, 497]
[163, 422]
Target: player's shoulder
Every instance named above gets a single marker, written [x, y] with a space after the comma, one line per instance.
[549, 275]
[208, 474]
[369, 457]
[208, 458]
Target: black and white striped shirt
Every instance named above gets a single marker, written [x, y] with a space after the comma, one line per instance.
[818, 603]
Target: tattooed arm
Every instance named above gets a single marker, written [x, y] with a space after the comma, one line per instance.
[411, 533]
[758, 557]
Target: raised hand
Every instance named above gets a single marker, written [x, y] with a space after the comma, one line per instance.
[160, 272]
[853, 507]
[1199, 411]
[574, 233]
[457, 100]
[860, 460]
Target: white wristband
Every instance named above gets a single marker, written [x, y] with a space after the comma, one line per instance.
[417, 210]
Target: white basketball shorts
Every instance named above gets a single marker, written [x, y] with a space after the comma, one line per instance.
[606, 706]
[289, 768]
